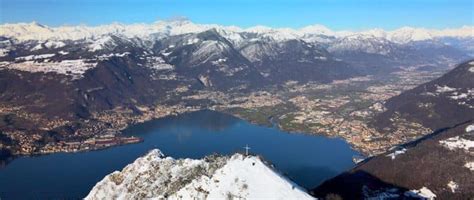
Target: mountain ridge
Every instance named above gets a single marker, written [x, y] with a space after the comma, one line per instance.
[36, 31]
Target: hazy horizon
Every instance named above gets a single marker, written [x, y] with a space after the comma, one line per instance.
[241, 27]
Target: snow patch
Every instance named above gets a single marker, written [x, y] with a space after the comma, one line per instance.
[321, 58]
[107, 56]
[4, 64]
[73, 68]
[158, 63]
[470, 128]
[424, 192]
[457, 143]
[471, 69]
[192, 41]
[453, 186]
[37, 47]
[162, 66]
[219, 61]
[4, 52]
[396, 153]
[445, 88]
[54, 44]
[63, 52]
[469, 165]
[34, 57]
[459, 96]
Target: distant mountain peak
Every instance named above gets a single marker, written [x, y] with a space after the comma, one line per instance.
[317, 29]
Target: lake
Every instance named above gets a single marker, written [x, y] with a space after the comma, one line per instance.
[308, 160]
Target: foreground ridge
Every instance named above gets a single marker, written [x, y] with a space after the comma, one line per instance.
[213, 177]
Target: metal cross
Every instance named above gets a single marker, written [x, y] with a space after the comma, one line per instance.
[247, 150]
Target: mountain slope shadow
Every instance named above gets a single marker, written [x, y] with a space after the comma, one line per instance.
[353, 185]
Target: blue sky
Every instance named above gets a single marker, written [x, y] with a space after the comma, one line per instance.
[336, 14]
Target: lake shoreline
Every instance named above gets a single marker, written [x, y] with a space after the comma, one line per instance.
[5, 160]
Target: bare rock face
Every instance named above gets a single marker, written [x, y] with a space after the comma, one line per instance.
[205, 80]
[213, 177]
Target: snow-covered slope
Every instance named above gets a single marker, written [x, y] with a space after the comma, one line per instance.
[35, 31]
[215, 177]
[362, 43]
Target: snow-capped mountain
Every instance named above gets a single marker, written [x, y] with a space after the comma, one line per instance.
[35, 31]
[363, 43]
[393, 47]
[155, 176]
[408, 34]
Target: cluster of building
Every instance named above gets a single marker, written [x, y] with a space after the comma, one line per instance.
[324, 116]
[93, 143]
[24, 144]
[343, 109]
[255, 99]
[102, 131]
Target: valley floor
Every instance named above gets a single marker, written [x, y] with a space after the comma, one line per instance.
[342, 108]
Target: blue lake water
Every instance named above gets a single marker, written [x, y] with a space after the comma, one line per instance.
[308, 160]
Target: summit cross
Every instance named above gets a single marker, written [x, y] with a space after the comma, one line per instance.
[247, 149]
